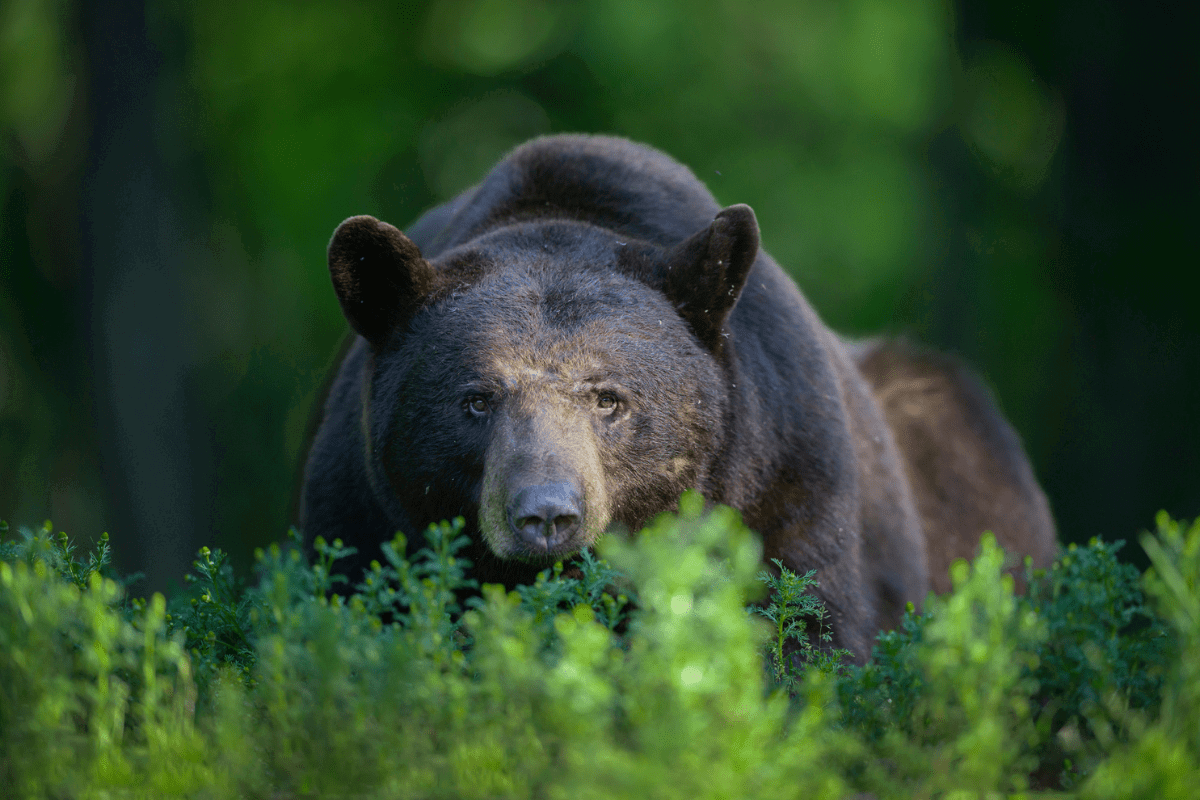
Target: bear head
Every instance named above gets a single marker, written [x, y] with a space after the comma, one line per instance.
[546, 379]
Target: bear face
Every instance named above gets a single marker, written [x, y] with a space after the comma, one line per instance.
[529, 386]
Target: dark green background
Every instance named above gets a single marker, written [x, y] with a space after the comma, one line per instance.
[1015, 182]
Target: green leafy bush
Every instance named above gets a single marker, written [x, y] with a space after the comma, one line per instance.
[635, 672]
[93, 694]
[1158, 755]
[800, 631]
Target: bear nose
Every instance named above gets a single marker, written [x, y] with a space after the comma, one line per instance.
[545, 516]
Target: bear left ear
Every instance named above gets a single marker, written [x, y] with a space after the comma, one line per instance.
[706, 272]
[379, 275]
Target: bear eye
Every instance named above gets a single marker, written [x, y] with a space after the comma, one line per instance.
[607, 401]
[477, 404]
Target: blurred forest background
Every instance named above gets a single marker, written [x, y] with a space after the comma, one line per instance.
[1012, 181]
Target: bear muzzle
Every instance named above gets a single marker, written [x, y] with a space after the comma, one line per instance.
[546, 517]
[544, 496]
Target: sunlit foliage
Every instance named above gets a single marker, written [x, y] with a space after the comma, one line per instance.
[644, 675]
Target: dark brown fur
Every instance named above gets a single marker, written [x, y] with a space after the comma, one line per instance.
[585, 334]
[965, 465]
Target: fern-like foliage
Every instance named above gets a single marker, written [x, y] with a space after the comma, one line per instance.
[634, 671]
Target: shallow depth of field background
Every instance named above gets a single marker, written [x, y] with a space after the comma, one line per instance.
[1013, 182]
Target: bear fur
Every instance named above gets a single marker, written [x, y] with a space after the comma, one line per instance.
[585, 334]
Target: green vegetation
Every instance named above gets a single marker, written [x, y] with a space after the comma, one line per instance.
[638, 673]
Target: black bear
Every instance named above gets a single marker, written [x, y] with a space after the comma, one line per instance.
[585, 334]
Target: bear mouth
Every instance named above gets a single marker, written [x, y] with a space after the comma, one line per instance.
[546, 540]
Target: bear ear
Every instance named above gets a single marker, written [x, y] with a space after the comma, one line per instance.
[705, 273]
[379, 275]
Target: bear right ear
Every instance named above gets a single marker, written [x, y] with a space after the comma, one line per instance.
[379, 275]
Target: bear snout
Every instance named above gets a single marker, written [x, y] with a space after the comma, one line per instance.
[545, 516]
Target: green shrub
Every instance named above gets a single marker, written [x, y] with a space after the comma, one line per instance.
[800, 632]
[1153, 756]
[93, 693]
[635, 672]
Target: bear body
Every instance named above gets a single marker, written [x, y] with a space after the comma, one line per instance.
[585, 334]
